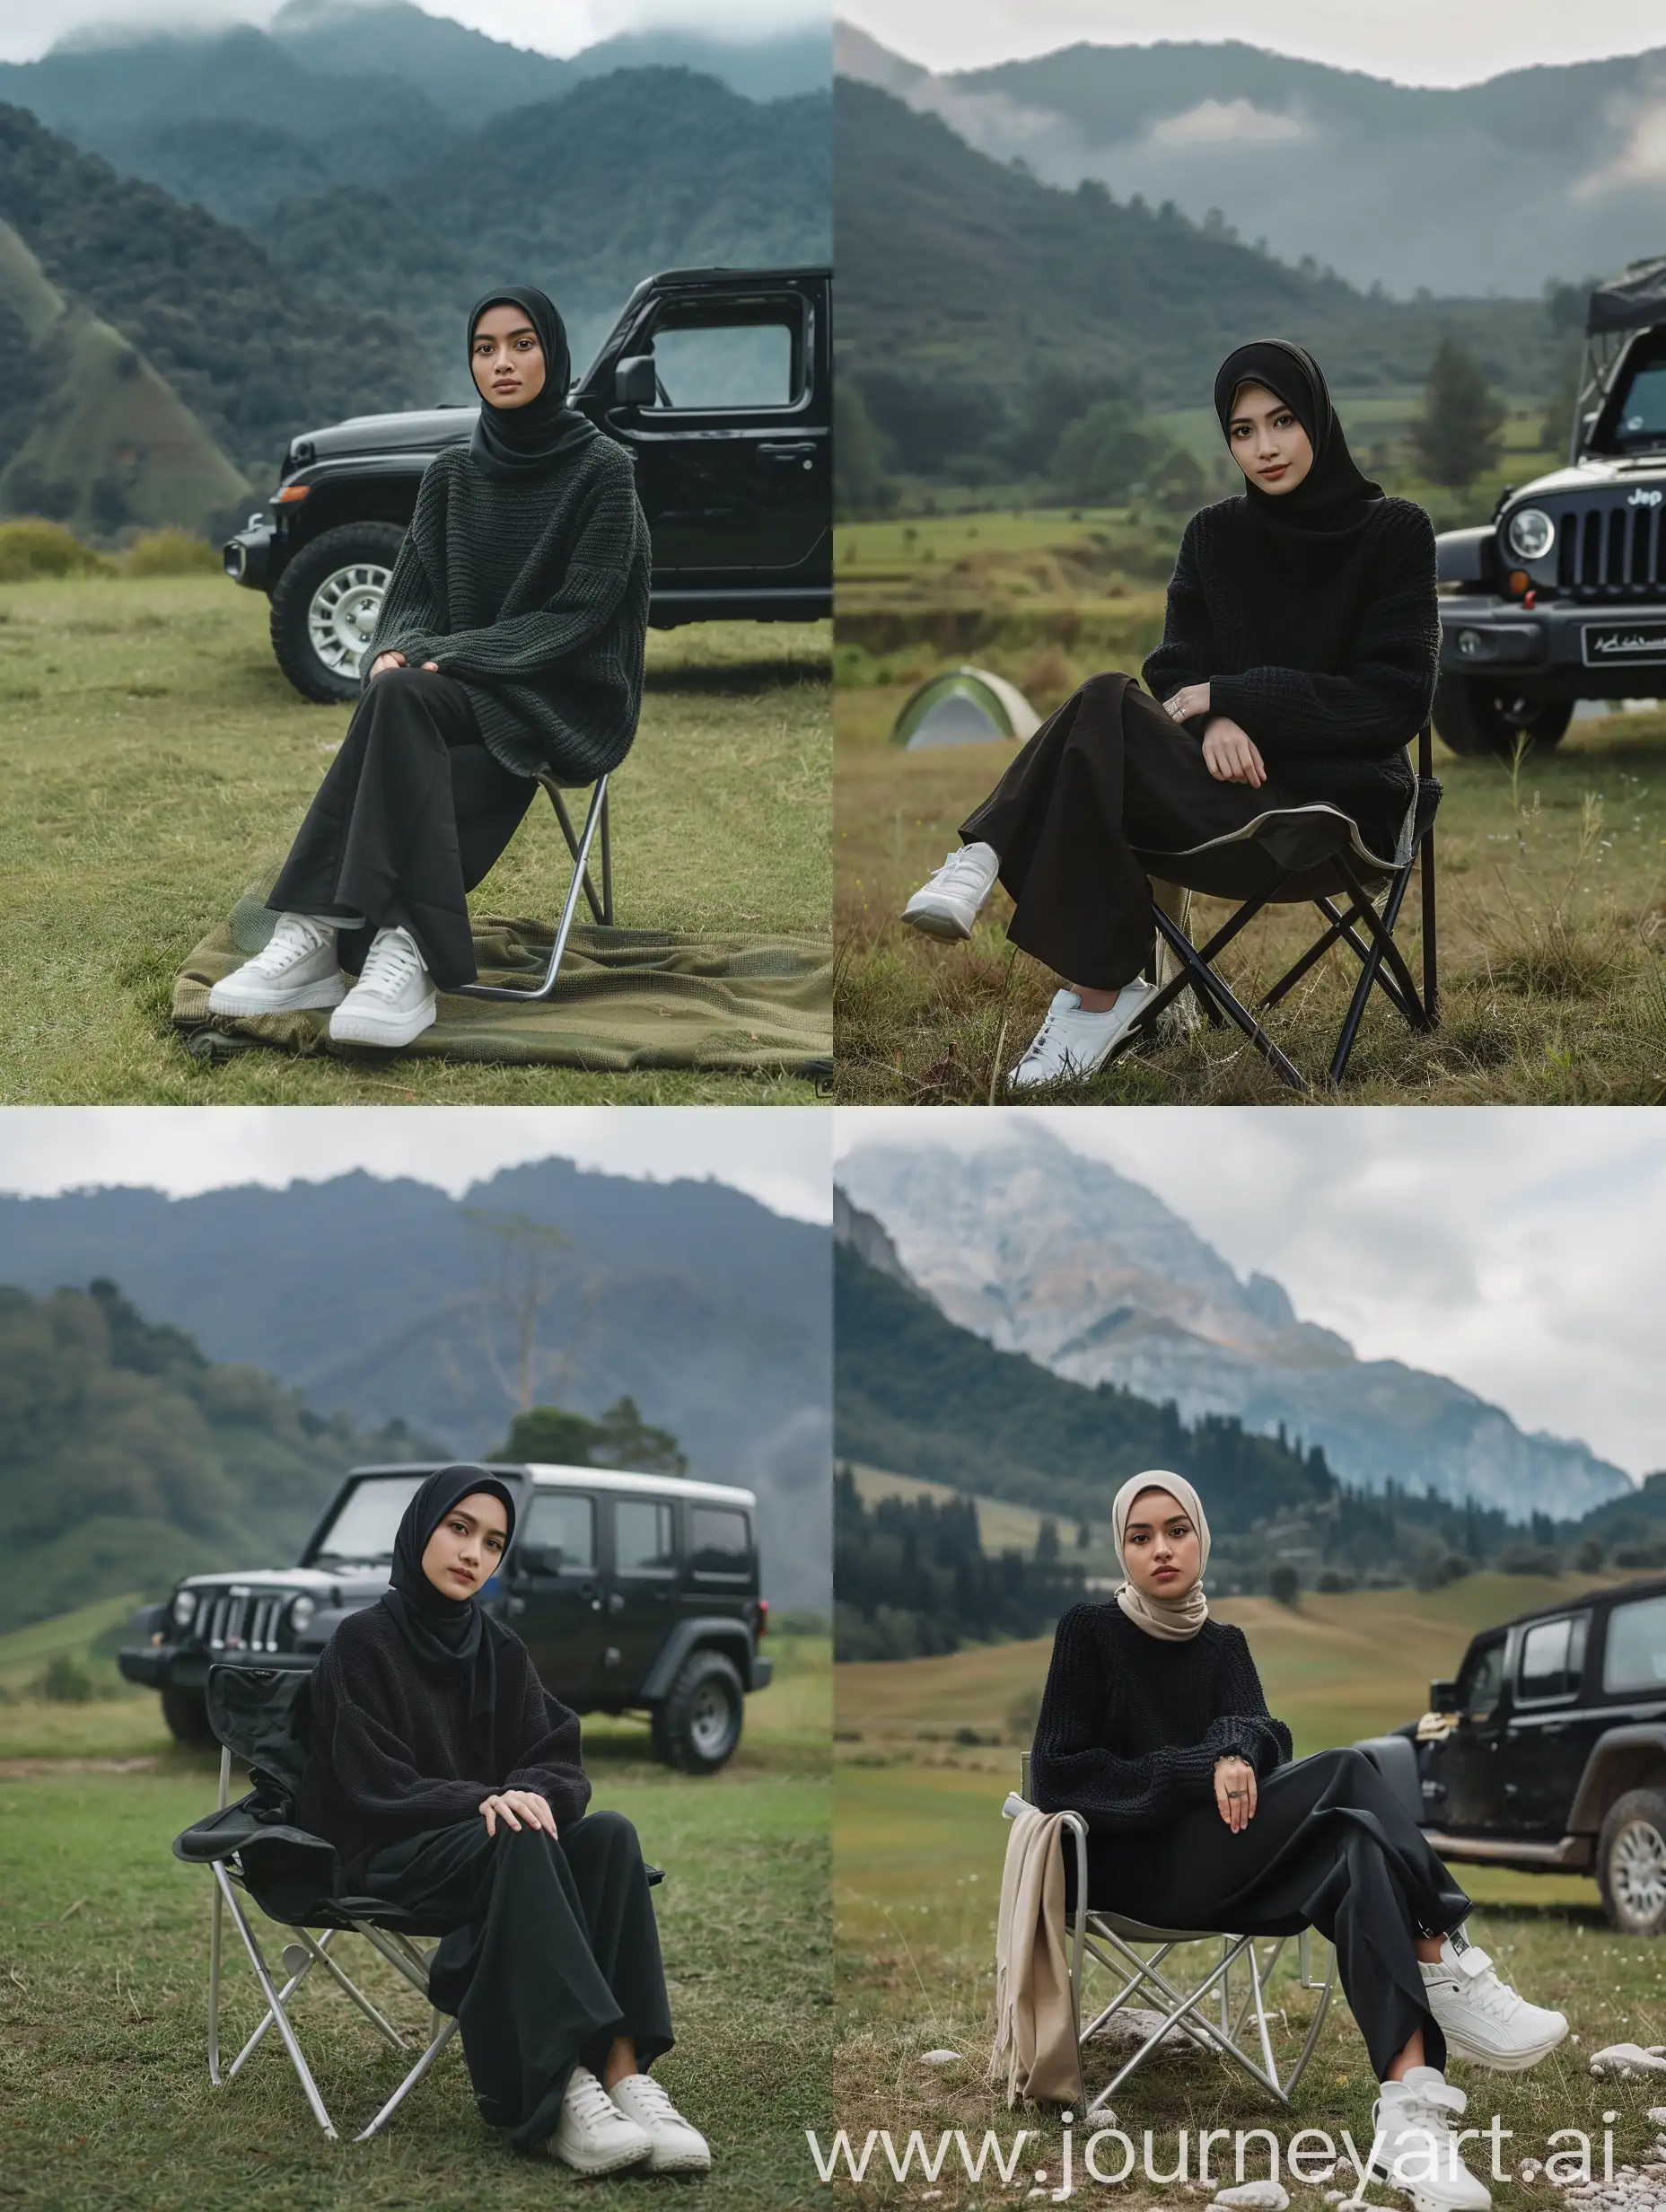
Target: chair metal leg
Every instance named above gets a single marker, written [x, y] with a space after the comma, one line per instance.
[1197, 966]
[215, 1923]
[415, 2074]
[269, 1989]
[1430, 975]
[579, 886]
[320, 1956]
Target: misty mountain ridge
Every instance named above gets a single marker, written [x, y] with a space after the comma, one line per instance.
[693, 1299]
[1495, 187]
[1039, 1251]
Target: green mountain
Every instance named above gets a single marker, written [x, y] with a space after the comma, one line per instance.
[642, 170]
[1495, 187]
[247, 348]
[127, 1459]
[90, 435]
[964, 282]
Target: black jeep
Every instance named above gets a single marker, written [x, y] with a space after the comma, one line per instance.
[716, 381]
[1562, 596]
[633, 1592]
[1549, 1752]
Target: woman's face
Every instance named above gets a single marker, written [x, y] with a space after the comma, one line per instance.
[1268, 443]
[506, 358]
[466, 1546]
[1160, 1548]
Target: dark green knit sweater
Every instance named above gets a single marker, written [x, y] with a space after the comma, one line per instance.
[534, 596]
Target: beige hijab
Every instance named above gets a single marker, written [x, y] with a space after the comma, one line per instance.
[1174, 1619]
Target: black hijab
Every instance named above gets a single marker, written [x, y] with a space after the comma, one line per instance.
[450, 1638]
[1315, 524]
[516, 441]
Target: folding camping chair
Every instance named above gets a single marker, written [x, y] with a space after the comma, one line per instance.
[252, 1851]
[597, 831]
[1137, 1954]
[1287, 859]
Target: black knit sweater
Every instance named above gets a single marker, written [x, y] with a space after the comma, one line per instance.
[1131, 1726]
[1332, 677]
[389, 1753]
[534, 594]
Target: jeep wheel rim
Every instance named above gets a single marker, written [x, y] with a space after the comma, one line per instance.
[1638, 1870]
[343, 613]
[710, 1721]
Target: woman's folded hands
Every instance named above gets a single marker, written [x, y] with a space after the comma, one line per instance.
[518, 1808]
[1235, 1792]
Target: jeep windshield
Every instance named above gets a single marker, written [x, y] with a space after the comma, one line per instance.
[1634, 415]
[362, 1530]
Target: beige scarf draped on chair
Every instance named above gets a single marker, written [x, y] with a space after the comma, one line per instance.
[1035, 2036]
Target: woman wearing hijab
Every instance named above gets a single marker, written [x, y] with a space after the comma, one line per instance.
[449, 1780]
[1153, 1726]
[1298, 660]
[511, 642]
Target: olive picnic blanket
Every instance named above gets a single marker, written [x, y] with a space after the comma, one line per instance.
[627, 999]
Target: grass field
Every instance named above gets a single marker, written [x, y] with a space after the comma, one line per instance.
[105, 2104]
[157, 760]
[918, 1845]
[1551, 880]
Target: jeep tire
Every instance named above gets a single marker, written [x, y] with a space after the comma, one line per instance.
[1476, 717]
[326, 606]
[1631, 1863]
[185, 1712]
[698, 1724]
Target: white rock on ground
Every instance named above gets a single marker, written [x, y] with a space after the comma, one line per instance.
[1626, 2060]
[1254, 2197]
[939, 2057]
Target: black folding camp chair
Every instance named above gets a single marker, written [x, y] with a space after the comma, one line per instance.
[1289, 857]
[1157, 1968]
[597, 831]
[254, 1851]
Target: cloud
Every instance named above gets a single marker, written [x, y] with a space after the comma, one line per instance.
[1224, 122]
[778, 1157]
[1640, 160]
[1506, 1247]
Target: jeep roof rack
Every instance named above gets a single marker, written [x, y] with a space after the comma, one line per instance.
[1631, 300]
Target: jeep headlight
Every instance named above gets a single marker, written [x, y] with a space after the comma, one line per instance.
[299, 1613]
[184, 1608]
[1531, 534]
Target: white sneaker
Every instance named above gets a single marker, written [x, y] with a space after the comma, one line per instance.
[297, 968]
[393, 999]
[678, 2148]
[592, 2134]
[947, 906]
[1071, 1041]
[1481, 2017]
[1415, 2148]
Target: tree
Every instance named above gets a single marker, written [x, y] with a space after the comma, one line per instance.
[1047, 1541]
[1588, 1559]
[1458, 435]
[861, 484]
[551, 1435]
[1104, 454]
[1283, 1583]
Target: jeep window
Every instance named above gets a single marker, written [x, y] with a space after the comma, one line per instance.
[369, 1519]
[644, 1538]
[1482, 1679]
[1636, 1656]
[564, 1518]
[1633, 416]
[1553, 1659]
[721, 1545]
[747, 354]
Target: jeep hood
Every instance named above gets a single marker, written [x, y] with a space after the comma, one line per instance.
[420, 431]
[324, 1589]
[1593, 475]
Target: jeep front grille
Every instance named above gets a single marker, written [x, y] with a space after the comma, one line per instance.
[1601, 551]
[230, 1622]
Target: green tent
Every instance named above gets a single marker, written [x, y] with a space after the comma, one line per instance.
[964, 706]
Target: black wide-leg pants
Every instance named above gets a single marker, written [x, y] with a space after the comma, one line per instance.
[1106, 773]
[1330, 1847]
[413, 813]
[557, 1952]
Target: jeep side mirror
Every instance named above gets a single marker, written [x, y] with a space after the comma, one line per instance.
[1443, 1697]
[539, 1559]
[634, 383]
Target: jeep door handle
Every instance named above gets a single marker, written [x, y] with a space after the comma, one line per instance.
[806, 453]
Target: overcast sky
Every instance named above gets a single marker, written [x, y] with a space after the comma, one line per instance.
[1414, 42]
[779, 1155]
[547, 26]
[1521, 1251]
